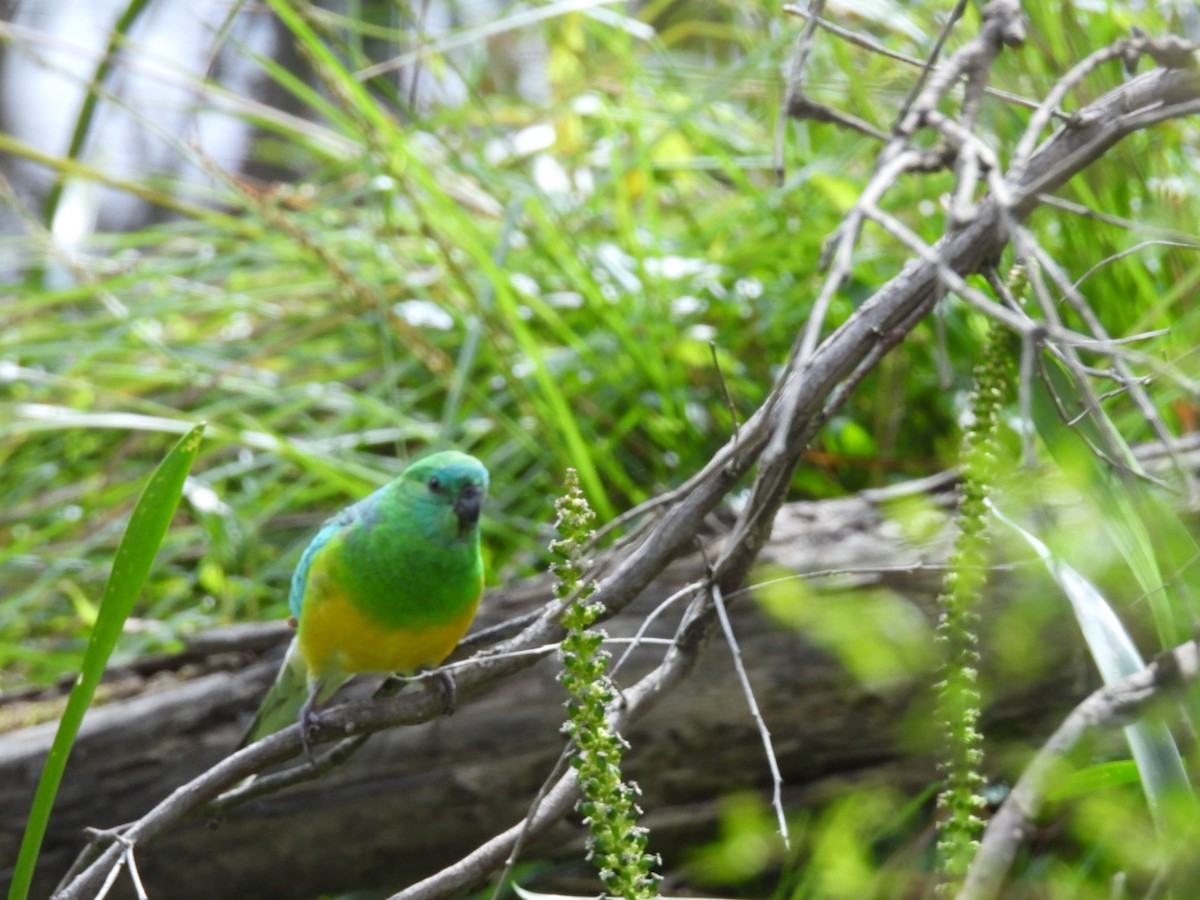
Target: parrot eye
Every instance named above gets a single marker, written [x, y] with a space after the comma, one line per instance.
[435, 485]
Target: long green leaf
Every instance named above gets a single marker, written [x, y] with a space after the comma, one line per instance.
[1151, 744]
[135, 555]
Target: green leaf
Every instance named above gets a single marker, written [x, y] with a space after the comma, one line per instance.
[1153, 747]
[1094, 778]
[135, 555]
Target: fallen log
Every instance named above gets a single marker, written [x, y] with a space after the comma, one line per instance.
[415, 799]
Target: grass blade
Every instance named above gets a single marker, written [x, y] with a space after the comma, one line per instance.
[135, 555]
[1153, 747]
[87, 112]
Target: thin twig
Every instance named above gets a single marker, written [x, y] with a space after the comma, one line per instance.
[639, 636]
[873, 46]
[1017, 321]
[1130, 251]
[929, 64]
[1027, 251]
[548, 784]
[98, 839]
[802, 107]
[264, 785]
[127, 861]
[1003, 25]
[1167, 235]
[795, 81]
[490, 855]
[1053, 100]
[1137, 392]
[842, 257]
[748, 692]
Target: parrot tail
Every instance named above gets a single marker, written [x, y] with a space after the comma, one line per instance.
[281, 707]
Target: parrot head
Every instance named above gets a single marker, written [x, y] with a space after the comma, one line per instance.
[451, 479]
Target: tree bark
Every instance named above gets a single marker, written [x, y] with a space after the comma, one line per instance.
[415, 799]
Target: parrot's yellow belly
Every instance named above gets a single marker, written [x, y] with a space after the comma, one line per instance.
[336, 635]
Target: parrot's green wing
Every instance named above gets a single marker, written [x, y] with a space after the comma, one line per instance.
[334, 526]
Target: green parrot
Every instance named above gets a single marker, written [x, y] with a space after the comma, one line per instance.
[389, 584]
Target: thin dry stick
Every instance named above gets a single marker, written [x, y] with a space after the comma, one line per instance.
[748, 691]
[489, 856]
[1144, 404]
[795, 82]
[563, 757]
[843, 256]
[126, 862]
[640, 635]
[1001, 19]
[974, 155]
[803, 107]
[551, 780]
[977, 83]
[1131, 251]
[641, 511]
[1003, 25]
[1167, 234]
[1018, 321]
[1103, 125]
[1066, 341]
[1025, 249]
[1053, 100]
[929, 64]
[98, 840]
[866, 43]
[264, 785]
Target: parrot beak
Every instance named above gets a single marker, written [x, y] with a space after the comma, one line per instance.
[467, 508]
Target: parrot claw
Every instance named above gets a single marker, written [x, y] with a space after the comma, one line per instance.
[447, 687]
[307, 725]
